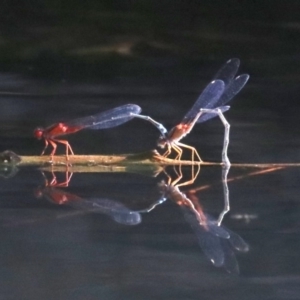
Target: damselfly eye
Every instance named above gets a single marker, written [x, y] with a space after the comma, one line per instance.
[38, 133]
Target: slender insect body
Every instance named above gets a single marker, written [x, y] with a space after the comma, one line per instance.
[104, 120]
[210, 103]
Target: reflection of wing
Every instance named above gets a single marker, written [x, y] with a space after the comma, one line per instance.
[217, 242]
[230, 263]
[235, 242]
[208, 237]
[208, 225]
[117, 211]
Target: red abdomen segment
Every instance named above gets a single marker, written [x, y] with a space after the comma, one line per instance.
[107, 119]
[60, 129]
[178, 132]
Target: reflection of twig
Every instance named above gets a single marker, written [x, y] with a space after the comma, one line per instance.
[240, 177]
[259, 172]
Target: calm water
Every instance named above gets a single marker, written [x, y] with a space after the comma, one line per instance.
[60, 62]
[75, 251]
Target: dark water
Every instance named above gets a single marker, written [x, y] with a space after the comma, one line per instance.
[72, 252]
[95, 246]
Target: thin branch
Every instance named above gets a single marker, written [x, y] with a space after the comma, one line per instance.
[149, 158]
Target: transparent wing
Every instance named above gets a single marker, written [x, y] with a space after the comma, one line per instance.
[117, 211]
[207, 240]
[230, 262]
[233, 86]
[211, 93]
[107, 119]
[232, 89]
[237, 242]
[218, 92]
[227, 74]
[228, 71]
[212, 248]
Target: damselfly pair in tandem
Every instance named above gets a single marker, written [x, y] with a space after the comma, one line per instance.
[210, 103]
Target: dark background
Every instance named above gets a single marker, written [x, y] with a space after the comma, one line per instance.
[61, 60]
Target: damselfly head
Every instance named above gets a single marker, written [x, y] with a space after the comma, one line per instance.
[162, 141]
[38, 133]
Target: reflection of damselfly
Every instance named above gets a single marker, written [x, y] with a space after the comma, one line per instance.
[216, 241]
[114, 209]
[209, 104]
